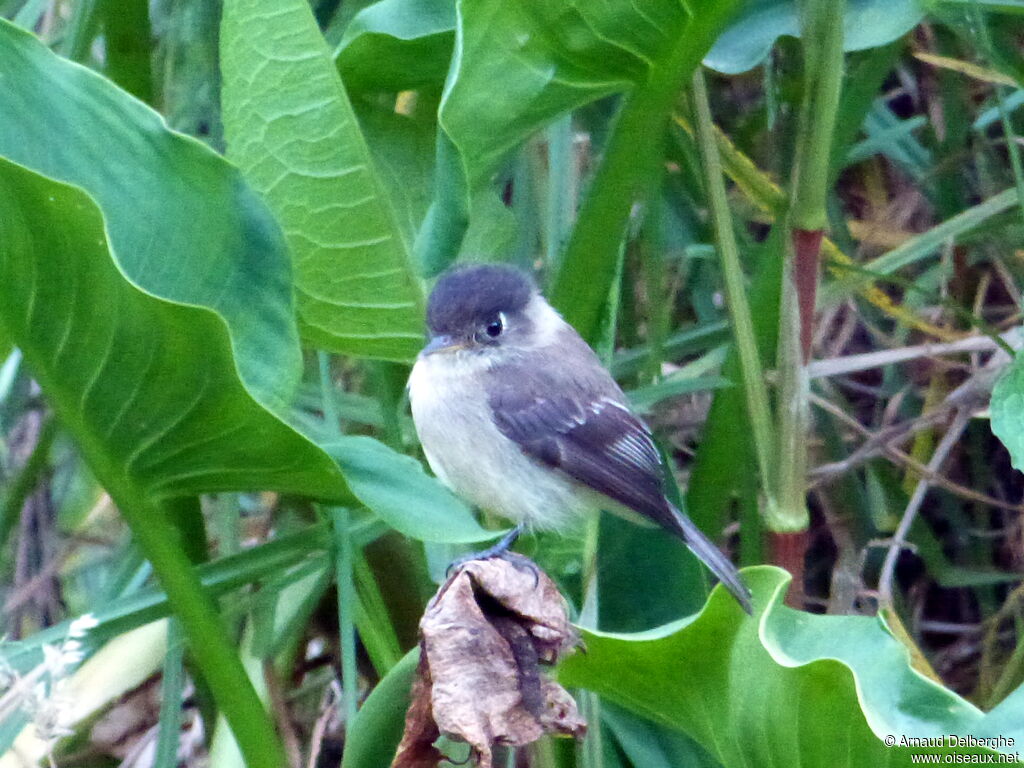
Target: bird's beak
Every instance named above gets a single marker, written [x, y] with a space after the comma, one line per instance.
[441, 343]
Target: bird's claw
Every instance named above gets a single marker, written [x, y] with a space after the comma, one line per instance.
[500, 551]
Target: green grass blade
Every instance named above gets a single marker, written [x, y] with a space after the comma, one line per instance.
[172, 685]
[128, 45]
[343, 569]
[927, 243]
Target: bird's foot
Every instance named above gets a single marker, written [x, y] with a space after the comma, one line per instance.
[501, 551]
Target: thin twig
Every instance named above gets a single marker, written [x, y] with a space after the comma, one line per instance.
[331, 695]
[838, 366]
[279, 707]
[915, 466]
[971, 396]
[878, 443]
[956, 429]
[41, 580]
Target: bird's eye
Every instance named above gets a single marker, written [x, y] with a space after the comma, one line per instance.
[492, 330]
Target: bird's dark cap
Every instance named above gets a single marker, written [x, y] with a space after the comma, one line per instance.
[467, 296]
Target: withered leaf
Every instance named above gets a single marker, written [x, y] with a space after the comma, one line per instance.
[483, 638]
[417, 748]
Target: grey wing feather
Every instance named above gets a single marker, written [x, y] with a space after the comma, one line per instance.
[596, 441]
[593, 438]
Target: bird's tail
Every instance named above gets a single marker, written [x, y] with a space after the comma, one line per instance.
[713, 558]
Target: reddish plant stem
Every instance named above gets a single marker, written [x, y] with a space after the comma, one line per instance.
[789, 551]
[807, 250]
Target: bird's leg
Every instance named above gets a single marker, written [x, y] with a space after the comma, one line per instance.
[503, 545]
[500, 550]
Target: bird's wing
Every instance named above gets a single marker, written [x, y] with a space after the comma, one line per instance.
[595, 440]
[590, 434]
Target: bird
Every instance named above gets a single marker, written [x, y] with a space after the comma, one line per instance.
[516, 415]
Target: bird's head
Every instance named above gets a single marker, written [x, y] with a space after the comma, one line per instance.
[486, 309]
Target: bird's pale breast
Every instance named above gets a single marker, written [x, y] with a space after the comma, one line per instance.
[468, 453]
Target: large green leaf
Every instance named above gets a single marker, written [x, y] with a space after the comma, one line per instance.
[1008, 411]
[150, 391]
[162, 329]
[161, 325]
[398, 45]
[181, 221]
[149, 387]
[866, 24]
[291, 129]
[521, 64]
[761, 691]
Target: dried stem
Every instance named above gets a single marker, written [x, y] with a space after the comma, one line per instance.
[899, 538]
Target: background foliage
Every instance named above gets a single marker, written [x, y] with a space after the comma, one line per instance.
[218, 225]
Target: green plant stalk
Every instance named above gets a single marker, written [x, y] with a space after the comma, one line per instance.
[27, 479]
[528, 177]
[225, 749]
[659, 303]
[542, 754]
[628, 171]
[821, 23]
[185, 513]
[128, 46]
[631, 158]
[444, 227]
[343, 560]
[388, 381]
[80, 30]
[591, 751]
[225, 524]
[327, 402]
[373, 623]
[793, 417]
[822, 33]
[187, 69]
[736, 297]
[211, 649]
[171, 686]
[558, 208]
[346, 611]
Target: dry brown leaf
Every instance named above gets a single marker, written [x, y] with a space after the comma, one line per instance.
[483, 639]
[417, 749]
